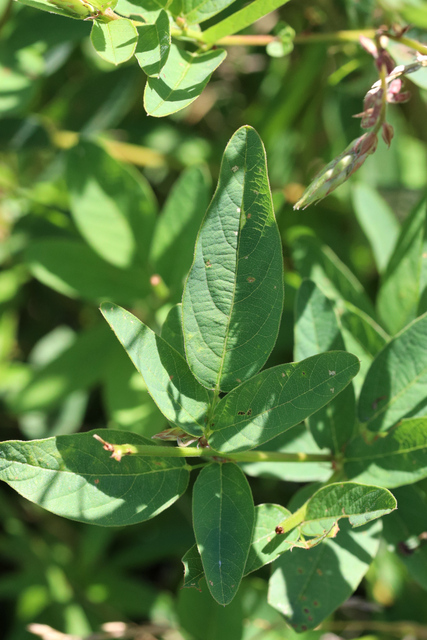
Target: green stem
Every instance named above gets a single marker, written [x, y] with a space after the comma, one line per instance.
[120, 450]
[409, 42]
[292, 521]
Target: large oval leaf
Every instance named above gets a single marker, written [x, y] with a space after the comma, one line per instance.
[181, 80]
[223, 518]
[181, 399]
[154, 45]
[279, 398]
[114, 41]
[73, 477]
[396, 384]
[233, 296]
[396, 459]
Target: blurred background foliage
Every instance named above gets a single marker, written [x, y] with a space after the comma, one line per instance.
[81, 166]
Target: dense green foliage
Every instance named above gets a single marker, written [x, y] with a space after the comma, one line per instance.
[283, 349]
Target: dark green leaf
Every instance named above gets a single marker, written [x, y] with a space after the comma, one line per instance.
[309, 584]
[223, 519]
[181, 399]
[73, 477]
[398, 458]
[182, 80]
[279, 398]
[114, 41]
[316, 331]
[193, 568]
[172, 329]
[153, 46]
[395, 386]
[233, 296]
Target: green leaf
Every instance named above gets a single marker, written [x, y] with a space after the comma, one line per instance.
[73, 477]
[396, 459]
[196, 11]
[114, 41]
[223, 519]
[316, 331]
[201, 618]
[277, 399]
[193, 568]
[125, 394]
[377, 221]
[405, 529]
[172, 249]
[113, 208]
[74, 9]
[154, 41]
[319, 263]
[79, 366]
[309, 584]
[172, 329]
[266, 545]
[233, 297]
[395, 386]
[241, 19]
[296, 440]
[181, 399]
[72, 268]
[362, 336]
[360, 503]
[181, 81]
[402, 294]
[148, 9]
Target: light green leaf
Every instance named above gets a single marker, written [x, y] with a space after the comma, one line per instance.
[172, 329]
[277, 399]
[362, 336]
[78, 366]
[360, 503]
[405, 531]
[114, 208]
[395, 386]
[309, 584]
[223, 519]
[72, 268]
[172, 249]
[148, 9]
[316, 330]
[266, 545]
[181, 81]
[296, 440]
[200, 10]
[73, 477]
[396, 459]
[377, 221]
[319, 263]
[402, 295]
[181, 399]
[241, 19]
[75, 9]
[154, 41]
[233, 297]
[114, 41]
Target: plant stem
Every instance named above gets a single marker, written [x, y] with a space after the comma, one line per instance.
[120, 450]
[410, 42]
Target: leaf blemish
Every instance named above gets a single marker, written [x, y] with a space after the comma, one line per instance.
[320, 573]
[240, 413]
[332, 373]
[238, 209]
[234, 169]
[97, 481]
[332, 389]
[208, 264]
[250, 279]
[249, 412]
[249, 215]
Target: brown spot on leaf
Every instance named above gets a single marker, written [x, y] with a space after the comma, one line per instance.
[319, 572]
[279, 530]
[208, 264]
[250, 279]
[240, 413]
[249, 412]
[97, 481]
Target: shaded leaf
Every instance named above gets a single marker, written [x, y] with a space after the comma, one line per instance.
[266, 545]
[172, 329]
[148, 9]
[200, 10]
[154, 41]
[377, 221]
[73, 477]
[308, 585]
[172, 249]
[181, 399]
[402, 293]
[181, 81]
[395, 386]
[193, 568]
[114, 41]
[393, 460]
[316, 330]
[223, 519]
[72, 268]
[277, 399]
[233, 297]
[114, 209]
